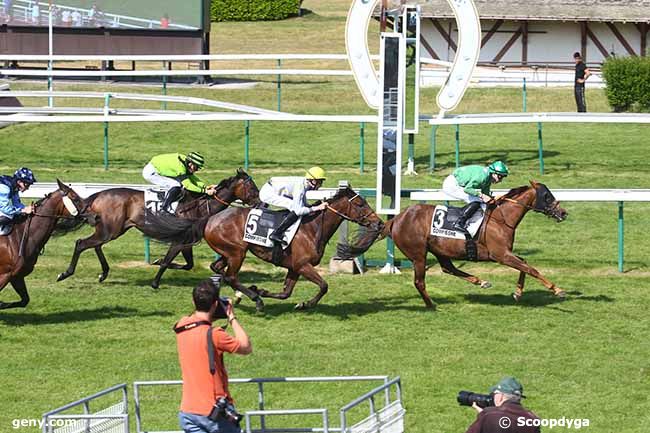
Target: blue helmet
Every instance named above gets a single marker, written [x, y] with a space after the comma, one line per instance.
[25, 174]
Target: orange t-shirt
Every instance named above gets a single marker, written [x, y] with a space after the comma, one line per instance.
[200, 389]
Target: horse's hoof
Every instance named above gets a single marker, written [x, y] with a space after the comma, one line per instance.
[516, 297]
[62, 276]
[300, 306]
[155, 285]
[156, 262]
[486, 285]
[102, 277]
[561, 294]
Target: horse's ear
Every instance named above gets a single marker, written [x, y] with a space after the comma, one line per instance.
[241, 172]
[62, 186]
[533, 183]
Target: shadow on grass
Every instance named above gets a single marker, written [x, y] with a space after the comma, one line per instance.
[175, 277]
[346, 309]
[19, 318]
[536, 298]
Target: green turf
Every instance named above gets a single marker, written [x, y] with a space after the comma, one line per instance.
[586, 357]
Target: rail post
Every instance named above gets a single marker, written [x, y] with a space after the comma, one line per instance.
[432, 152]
[524, 94]
[247, 134]
[279, 86]
[457, 146]
[107, 100]
[540, 143]
[362, 145]
[620, 236]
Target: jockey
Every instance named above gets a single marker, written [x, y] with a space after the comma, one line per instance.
[10, 186]
[290, 193]
[175, 171]
[471, 184]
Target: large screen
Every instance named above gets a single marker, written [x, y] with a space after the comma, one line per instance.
[123, 14]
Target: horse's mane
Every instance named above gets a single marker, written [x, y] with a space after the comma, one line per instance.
[516, 191]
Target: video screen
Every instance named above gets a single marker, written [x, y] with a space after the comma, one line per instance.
[123, 14]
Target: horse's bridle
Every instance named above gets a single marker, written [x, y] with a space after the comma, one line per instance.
[64, 194]
[359, 221]
[549, 211]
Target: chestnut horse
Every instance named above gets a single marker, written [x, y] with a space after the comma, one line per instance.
[410, 231]
[119, 209]
[20, 249]
[224, 233]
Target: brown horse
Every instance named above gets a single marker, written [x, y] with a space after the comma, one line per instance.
[410, 231]
[20, 249]
[119, 209]
[224, 233]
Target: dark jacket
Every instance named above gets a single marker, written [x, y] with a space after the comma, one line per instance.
[492, 420]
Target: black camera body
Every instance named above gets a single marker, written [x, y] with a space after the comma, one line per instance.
[467, 398]
[223, 409]
[220, 311]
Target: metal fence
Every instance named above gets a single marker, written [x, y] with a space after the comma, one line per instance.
[109, 419]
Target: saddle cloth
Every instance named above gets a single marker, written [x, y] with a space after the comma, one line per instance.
[153, 199]
[443, 221]
[261, 222]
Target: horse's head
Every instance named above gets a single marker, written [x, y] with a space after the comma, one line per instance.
[72, 203]
[546, 203]
[355, 208]
[242, 187]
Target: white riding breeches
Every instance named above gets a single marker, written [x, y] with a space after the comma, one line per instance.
[151, 175]
[450, 187]
[269, 196]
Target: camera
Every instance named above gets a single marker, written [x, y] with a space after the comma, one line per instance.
[467, 398]
[223, 409]
[220, 311]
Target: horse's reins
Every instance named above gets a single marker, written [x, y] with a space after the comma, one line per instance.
[345, 217]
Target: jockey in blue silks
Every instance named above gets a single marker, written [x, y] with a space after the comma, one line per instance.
[10, 186]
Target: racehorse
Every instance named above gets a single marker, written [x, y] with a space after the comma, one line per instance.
[119, 209]
[20, 249]
[410, 231]
[224, 233]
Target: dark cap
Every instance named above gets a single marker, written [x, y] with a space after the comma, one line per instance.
[509, 385]
[577, 55]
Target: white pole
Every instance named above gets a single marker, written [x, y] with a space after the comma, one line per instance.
[50, 84]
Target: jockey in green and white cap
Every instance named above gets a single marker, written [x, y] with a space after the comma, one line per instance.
[175, 171]
[471, 184]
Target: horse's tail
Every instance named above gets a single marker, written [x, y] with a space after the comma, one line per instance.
[365, 238]
[170, 229]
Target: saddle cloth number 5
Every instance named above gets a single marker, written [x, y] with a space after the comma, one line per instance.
[251, 227]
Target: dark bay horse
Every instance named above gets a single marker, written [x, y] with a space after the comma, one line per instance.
[119, 209]
[20, 249]
[224, 233]
[410, 231]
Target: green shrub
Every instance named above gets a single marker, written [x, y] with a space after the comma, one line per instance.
[253, 10]
[627, 83]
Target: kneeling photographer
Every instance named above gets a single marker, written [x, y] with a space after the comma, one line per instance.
[500, 411]
[207, 406]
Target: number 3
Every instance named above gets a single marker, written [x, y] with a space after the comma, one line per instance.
[439, 218]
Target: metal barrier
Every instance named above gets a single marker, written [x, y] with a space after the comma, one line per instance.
[385, 415]
[111, 419]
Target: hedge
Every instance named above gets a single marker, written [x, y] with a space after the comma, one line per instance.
[627, 82]
[253, 10]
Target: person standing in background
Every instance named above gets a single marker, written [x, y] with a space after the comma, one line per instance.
[582, 73]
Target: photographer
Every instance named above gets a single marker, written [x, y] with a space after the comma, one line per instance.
[506, 414]
[207, 406]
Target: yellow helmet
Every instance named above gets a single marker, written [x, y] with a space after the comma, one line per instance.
[316, 173]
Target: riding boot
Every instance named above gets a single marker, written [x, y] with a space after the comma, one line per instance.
[172, 195]
[278, 233]
[5, 220]
[466, 214]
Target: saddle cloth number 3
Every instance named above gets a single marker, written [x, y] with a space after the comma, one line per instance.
[439, 217]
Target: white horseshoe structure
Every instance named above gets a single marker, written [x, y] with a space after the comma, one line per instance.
[469, 46]
[365, 74]
[356, 42]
